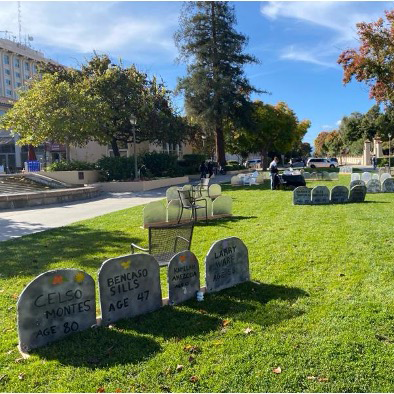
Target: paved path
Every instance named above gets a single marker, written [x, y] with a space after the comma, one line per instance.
[24, 221]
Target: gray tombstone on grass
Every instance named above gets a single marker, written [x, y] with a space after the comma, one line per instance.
[174, 211]
[55, 304]
[306, 175]
[339, 195]
[236, 181]
[334, 176]
[366, 177]
[320, 195]
[302, 195]
[183, 277]
[384, 176]
[226, 264]
[215, 190]
[373, 186]
[357, 193]
[172, 193]
[314, 175]
[376, 176]
[129, 286]
[388, 185]
[356, 183]
[355, 177]
[326, 176]
[221, 206]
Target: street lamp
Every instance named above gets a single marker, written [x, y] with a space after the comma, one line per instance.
[389, 153]
[204, 137]
[133, 122]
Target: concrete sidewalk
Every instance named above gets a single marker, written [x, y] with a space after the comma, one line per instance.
[25, 221]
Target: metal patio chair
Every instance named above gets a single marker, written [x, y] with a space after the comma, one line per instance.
[192, 204]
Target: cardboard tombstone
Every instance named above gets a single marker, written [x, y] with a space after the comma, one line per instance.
[366, 177]
[320, 195]
[222, 205]
[183, 277]
[356, 183]
[339, 195]
[226, 264]
[302, 195]
[172, 193]
[388, 185]
[357, 193]
[53, 305]
[355, 177]
[373, 186]
[129, 286]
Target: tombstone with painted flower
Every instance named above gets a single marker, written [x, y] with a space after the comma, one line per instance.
[183, 277]
[55, 304]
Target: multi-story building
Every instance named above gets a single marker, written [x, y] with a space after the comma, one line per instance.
[18, 63]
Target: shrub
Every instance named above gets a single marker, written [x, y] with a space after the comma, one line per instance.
[161, 164]
[234, 167]
[384, 161]
[116, 168]
[191, 163]
[73, 165]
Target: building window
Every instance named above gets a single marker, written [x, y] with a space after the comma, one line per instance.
[18, 84]
[8, 92]
[27, 66]
[17, 62]
[34, 68]
[7, 71]
[6, 59]
[17, 75]
[27, 76]
[8, 82]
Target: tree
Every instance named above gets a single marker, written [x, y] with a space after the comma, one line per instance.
[215, 88]
[118, 92]
[55, 110]
[350, 127]
[373, 62]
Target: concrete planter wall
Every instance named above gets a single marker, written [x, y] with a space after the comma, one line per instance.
[118, 187]
[73, 177]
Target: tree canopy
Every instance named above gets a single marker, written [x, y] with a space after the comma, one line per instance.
[215, 88]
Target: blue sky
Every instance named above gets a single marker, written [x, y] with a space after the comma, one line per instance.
[297, 44]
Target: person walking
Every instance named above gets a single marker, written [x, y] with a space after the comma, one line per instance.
[203, 170]
[274, 173]
[374, 162]
[210, 169]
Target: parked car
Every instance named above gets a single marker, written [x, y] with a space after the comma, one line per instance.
[297, 162]
[334, 160]
[252, 163]
[321, 163]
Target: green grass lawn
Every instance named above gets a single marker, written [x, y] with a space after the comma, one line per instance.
[322, 309]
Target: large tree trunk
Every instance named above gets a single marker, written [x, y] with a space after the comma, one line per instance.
[219, 140]
[115, 149]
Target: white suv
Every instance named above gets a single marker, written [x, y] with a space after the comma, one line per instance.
[321, 163]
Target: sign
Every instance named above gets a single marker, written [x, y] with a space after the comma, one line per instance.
[302, 195]
[339, 194]
[55, 304]
[320, 195]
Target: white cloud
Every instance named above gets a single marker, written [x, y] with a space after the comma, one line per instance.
[103, 26]
[338, 122]
[293, 53]
[337, 17]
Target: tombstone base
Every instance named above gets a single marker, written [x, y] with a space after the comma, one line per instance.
[164, 224]
[23, 354]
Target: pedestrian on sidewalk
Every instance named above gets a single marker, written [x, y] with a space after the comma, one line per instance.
[203, 170]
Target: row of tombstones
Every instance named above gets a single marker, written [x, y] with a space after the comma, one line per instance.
[376, 186]
[324, 175]
[169, 210]
[60, 302]
[367, 176]
[303, 195]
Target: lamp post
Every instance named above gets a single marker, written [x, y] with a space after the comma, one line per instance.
[204, 137]
[133, 122]
[389, 153]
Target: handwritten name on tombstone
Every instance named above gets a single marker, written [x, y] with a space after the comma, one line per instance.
[388, 185]
[302, 195]
[320, 195]
[55, 304]
[226, 264]
[129, 286]
[339, 194]
[183, 277]
[357, 193]
[356, 183]
[373, 186]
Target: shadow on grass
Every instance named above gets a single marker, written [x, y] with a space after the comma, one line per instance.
[172, 322]
[253, 302]
[100, 348]
[32, 254]
[218, 221]
[228, 187]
